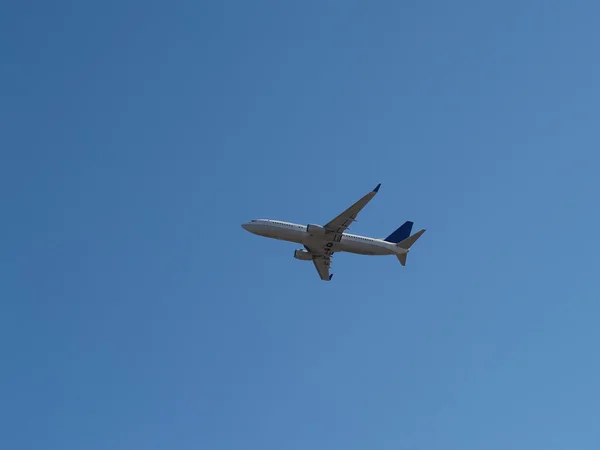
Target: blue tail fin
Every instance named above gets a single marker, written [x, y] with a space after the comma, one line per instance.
[401, 233]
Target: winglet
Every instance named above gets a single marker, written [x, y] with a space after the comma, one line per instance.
[330, 277]
[377, 187]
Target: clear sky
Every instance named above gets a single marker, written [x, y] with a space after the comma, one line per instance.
[136, 137]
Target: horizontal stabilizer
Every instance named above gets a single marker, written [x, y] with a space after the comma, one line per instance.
[409, 241]
[406, 244]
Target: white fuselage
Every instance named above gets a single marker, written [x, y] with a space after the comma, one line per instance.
[299, 234]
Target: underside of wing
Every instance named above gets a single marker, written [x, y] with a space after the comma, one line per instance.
[322, 263]
[342, 222]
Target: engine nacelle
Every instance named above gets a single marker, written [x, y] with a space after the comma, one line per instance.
[303, 255]
[315, 230]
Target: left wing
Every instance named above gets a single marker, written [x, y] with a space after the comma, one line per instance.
[337, 226]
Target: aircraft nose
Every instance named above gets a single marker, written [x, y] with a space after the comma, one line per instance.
[245, 226]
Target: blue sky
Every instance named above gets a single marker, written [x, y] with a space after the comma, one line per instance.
[136, 313]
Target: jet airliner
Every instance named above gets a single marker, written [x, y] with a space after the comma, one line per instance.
[320, 242]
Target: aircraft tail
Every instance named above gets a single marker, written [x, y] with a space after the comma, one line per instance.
[402, 258]
[401, 233]
[406, 244]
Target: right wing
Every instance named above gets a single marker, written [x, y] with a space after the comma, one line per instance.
[322, 263]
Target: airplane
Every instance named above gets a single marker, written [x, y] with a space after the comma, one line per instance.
[322, 241]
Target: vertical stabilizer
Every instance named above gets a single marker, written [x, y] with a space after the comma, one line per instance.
[401, 233]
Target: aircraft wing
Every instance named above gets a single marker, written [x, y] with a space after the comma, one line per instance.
[341, 223]
[322, 264]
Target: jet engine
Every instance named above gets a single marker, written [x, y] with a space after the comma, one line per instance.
[315, 230]
[303, 255]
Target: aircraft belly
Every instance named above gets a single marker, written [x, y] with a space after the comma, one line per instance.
[361, 248]
[297, 237]
[293, 236]
[285, 235]
[345, 245]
